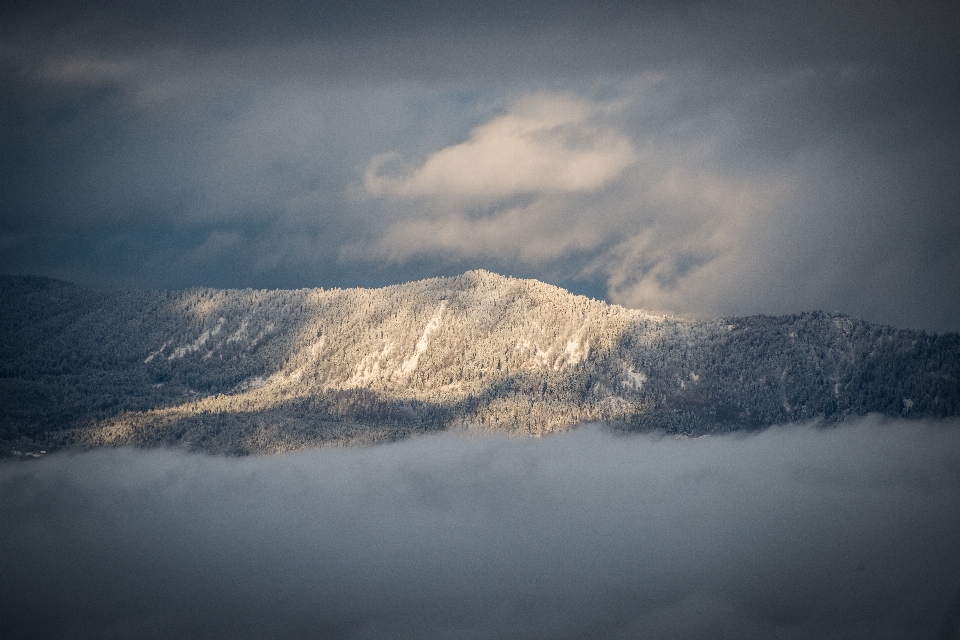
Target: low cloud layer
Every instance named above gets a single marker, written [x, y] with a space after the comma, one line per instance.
[795, 532]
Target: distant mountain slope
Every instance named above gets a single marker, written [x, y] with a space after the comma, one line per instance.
[244, 371]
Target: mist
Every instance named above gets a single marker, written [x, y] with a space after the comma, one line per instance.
[794, 532]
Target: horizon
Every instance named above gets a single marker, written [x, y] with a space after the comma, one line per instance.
[689, 316]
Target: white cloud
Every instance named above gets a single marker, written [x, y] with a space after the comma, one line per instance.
[668, 217]
[543, 144]
[531, 185]
[542, 231]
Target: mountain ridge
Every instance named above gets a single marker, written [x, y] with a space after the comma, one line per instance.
[254, 371]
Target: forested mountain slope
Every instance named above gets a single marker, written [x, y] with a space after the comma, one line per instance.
[243, 371]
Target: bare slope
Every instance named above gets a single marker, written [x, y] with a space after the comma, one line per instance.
[244, 371]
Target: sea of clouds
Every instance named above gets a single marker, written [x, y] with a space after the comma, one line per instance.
[794, 532]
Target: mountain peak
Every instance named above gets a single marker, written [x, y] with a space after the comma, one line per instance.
[246, 371]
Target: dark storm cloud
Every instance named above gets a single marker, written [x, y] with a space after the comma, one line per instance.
[792, 533]
[640, 32]
[759, 157]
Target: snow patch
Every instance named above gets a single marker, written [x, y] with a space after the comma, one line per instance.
[410, 364]
[243, 333]
[179, 352]
[240, 333]
[576, 351]
[538, 360]
[634, 379]
[317, 346]
[156, 353]
[252, 383]
[615, 404]
[368, 369]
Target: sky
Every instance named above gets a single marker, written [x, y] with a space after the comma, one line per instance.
[723, 158]
[793, 533]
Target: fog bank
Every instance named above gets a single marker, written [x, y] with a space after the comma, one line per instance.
[795, 532]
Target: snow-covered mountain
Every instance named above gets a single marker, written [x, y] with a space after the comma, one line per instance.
[244, 371]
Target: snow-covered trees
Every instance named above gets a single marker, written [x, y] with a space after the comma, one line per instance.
[245, 370]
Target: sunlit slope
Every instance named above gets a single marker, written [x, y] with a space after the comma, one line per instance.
[251, 371]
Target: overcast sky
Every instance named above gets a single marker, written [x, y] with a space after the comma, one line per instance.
[711, 158]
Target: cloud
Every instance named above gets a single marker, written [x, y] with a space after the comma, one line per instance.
[795, 532]
[555, 36]
[693, 243]
[539, 232]
[673, 211]
[749, 157]
[543, 144]
[819, 229]
[524, 186]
